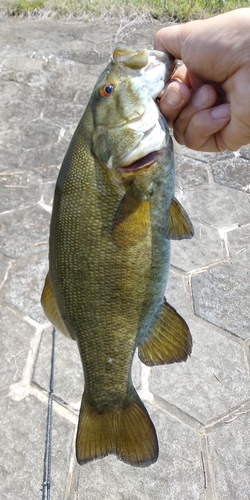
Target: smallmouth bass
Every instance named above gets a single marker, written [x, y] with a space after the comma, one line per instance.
[113, 217]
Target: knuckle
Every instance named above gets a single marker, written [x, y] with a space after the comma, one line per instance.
[179, 137]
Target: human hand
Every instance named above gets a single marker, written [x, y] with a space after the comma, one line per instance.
[207, 102]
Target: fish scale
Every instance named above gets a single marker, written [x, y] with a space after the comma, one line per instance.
[113, 216]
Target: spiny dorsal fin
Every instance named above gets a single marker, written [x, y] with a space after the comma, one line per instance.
[126, 431]
[169, 340]
[132, 220]
[179, 225]
[51, 309]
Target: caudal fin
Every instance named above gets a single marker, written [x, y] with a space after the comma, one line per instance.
[127, 432]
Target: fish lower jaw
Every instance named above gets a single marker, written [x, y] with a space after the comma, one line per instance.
[146, 153]
[139, 165]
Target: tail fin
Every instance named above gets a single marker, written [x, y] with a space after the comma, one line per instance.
[127, 432]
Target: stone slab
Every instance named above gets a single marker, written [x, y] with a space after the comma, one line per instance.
[221, 296]
[23, 425]
[217, 206]
[189, 173]
[177, 473]
[229, 448]
[178, 294]
[233, 173]
[19, 190]
[212, 381]
[24, 286]
[239, 246]
[14, 349]
[204, 249]
[24, 232]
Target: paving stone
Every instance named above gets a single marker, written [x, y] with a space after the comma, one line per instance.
[189, 172]
[245, 152]
[14, 349]
[41, 132]
[221, 296]
[18, 190]
[178, 294]
[23, 63]
[24, 232]
[177, 473]
[66, 114]
[4, 264]
[239, 246]
[25, 284]
[23, 425]
[16, 111]
[38, 133]
[229, 448]
[211, 382]
[60, 74]
[8, 159]
[46, 161]
[204, 249]
[216, 205]
[233, 173]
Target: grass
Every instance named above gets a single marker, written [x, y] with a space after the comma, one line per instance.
[178, 10]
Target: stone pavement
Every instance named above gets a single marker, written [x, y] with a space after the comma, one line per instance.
[201, 409]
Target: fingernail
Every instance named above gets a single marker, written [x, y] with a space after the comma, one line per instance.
[174, 97]
[222, 111]
[200, 98]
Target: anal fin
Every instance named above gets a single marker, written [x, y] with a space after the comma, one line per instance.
[179, 224]
[51, 309]
[169, 340]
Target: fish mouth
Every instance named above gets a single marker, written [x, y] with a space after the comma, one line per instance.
[140, 164]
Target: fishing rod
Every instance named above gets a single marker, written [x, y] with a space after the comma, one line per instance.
[46, 484]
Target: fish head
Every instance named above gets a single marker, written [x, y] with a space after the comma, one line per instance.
[129, 129]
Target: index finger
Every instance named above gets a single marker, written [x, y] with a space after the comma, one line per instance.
[170, 39]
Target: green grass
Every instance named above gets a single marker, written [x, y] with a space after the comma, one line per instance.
[179, 10]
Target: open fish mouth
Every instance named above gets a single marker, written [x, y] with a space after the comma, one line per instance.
[147, 152]
[149, 128]
[140, 164]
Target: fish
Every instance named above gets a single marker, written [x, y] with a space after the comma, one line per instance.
[114, 215]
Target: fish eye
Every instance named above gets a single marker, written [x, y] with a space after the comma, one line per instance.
[107, 89]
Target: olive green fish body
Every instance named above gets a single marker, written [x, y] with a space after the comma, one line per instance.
[113, 216]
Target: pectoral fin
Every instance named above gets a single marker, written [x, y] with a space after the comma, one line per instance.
[179, 225]
[51, 309]
[132, 220]
[169, 340]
